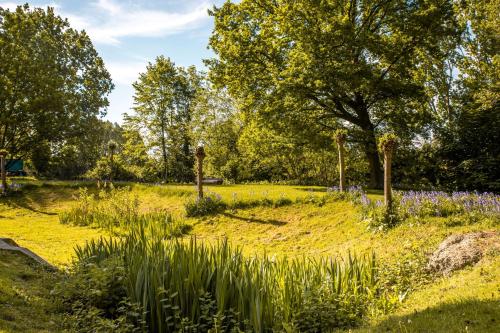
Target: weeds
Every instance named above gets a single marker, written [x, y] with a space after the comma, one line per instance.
[117, 210]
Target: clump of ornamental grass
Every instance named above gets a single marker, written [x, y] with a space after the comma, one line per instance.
[181, 286]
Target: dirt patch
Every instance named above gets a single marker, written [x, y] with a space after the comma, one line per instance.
[458, 251]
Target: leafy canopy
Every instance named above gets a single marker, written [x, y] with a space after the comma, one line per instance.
[52, 81]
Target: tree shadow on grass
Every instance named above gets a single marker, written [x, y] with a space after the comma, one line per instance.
[255, 220]
[310, 189]
[465, 316]
[27, 201]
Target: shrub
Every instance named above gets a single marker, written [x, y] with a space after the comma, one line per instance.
[210, 204]
[95, 297]
[379, 217]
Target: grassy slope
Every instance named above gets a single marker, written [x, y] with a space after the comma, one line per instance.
[468, 301]
[304, 229]
[31, 221]
[25, 302]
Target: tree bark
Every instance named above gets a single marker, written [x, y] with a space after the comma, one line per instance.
[112, 162]
[200, 155]
[3, 173]
[164, 151]
[376, 175]
[341, 166]
[387, 178]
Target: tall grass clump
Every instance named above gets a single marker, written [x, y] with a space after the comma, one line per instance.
[117, 210]
[190, 286]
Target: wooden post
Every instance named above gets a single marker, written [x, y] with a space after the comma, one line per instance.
[200, 155]
[387, 144]
[340, 137]
[3, 171]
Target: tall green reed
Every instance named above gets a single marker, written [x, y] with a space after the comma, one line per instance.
[189, 284]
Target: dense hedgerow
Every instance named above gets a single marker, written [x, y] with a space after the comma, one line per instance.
[190, 286]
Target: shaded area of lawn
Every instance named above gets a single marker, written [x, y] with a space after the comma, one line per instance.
[25, 301]
[464, 316]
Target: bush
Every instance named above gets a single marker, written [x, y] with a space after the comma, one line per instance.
[379, 217]
[208, 205]
[95, 297]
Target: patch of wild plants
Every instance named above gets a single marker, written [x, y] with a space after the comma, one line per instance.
[117, 210]
[353, 193]
[94, 296]
[402, 277]
[212, 203]
[172, 286]
[459, 208]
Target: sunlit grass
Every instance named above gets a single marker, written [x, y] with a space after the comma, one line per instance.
[299, 229]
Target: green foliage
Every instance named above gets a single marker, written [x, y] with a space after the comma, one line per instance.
[117, 210]
[211, 203]
[94, 296]
[53, 84]
[378, 217]
[164, 95]
[387, 142]
[340, 135]
[306, 66]
[179, 285]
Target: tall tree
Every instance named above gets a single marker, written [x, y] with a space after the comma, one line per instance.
[162, 103]
[303, 63]
[468, 145]
[52, 81]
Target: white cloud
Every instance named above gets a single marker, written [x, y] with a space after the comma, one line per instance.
[8, 5]
[112, 21]
[125, 72]
[107, 21]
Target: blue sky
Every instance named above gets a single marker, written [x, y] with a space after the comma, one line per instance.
[129, 34]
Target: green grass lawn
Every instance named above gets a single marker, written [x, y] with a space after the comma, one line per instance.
[467, 301]
[25, 301]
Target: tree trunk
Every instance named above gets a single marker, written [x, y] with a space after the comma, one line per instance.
[341, 166]
[387, 178]
[376, 175]
[4, 174]
[164, 151]
[112, 162]
[200, 155]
